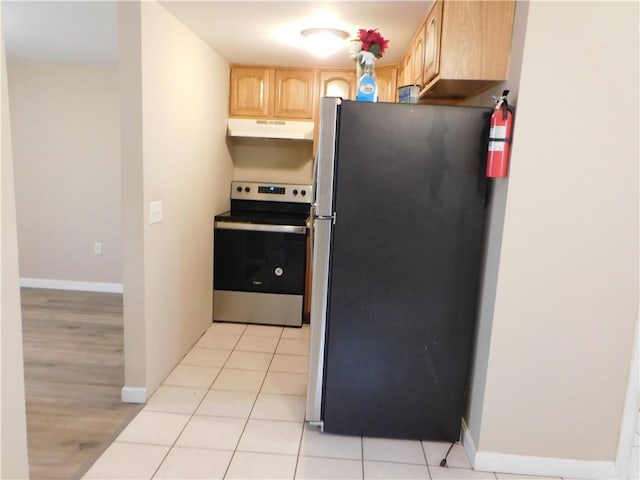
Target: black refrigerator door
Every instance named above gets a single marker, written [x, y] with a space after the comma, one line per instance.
[406, 252]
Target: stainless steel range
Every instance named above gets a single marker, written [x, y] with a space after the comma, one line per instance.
[260, 254]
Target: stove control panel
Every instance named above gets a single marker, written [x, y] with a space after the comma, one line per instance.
[276, 192]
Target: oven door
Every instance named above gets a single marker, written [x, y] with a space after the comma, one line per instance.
[259, 273]
[259, 258]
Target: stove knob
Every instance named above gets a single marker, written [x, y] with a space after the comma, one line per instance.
[239, 189]
[247, 189]
[303, 193]
[295, 191]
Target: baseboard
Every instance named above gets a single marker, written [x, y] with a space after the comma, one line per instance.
[528, 465]
[133, 394]
[71, 285]
[544, 466]
[468, 443]
[630, 419]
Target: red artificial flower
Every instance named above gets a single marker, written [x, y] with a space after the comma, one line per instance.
[372, 41]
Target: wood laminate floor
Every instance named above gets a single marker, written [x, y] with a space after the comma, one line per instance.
[74, 371]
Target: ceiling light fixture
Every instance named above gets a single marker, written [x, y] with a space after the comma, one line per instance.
[323, 42]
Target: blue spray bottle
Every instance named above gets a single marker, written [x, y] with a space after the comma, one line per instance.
[367, 87]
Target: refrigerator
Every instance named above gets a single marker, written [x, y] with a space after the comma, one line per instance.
[398, 222]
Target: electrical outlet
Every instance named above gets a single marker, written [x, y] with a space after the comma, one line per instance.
[155, 212]
[97, 248]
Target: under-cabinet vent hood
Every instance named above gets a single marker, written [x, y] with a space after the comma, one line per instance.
[259, 128]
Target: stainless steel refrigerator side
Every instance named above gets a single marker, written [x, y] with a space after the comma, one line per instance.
[322, 224]
[319, 289]
[326, 155]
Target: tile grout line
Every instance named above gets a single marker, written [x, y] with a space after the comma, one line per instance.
[295, 470]
[426, 459]
[362, 454]
[208, 389]
[254, 400]
[173, 445]
[248, 417]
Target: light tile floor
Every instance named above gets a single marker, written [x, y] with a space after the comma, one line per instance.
[234, 408]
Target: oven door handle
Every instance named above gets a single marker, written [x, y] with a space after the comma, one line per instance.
[260, 227]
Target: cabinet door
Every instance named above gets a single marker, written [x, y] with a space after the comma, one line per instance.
[338, 84]
[417, 57]
[433, 26]
[387, 85]
[250, 95]
[407, 66]
[294, 93]
[400, 75]
[476, 39]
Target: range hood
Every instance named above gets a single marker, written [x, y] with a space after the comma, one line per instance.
[262, 128]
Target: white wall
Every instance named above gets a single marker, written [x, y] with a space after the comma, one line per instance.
[272, 160]
[566, 301]
[493, 232]
[180, 157]
[133, 209]
[13, 438]
[66, 139]
[262, 160]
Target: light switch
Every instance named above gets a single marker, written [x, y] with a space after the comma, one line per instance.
[155, 212]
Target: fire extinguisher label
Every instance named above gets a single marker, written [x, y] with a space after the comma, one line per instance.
[498, 131]
[496, 146]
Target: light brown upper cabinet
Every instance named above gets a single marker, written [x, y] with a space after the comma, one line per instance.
[468, 49]
[343, 83]
[400, 75]
[289, 93]
[417, 57]
[271, 92]
[294, 93]
[334, 83]
[406, 67]
[386, 79]
[432, 26]
[409, 72]
[250, 94]
[338, 83]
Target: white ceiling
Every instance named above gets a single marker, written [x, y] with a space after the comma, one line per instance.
[241, 31]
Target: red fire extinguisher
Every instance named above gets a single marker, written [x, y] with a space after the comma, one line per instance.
[500, 128]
